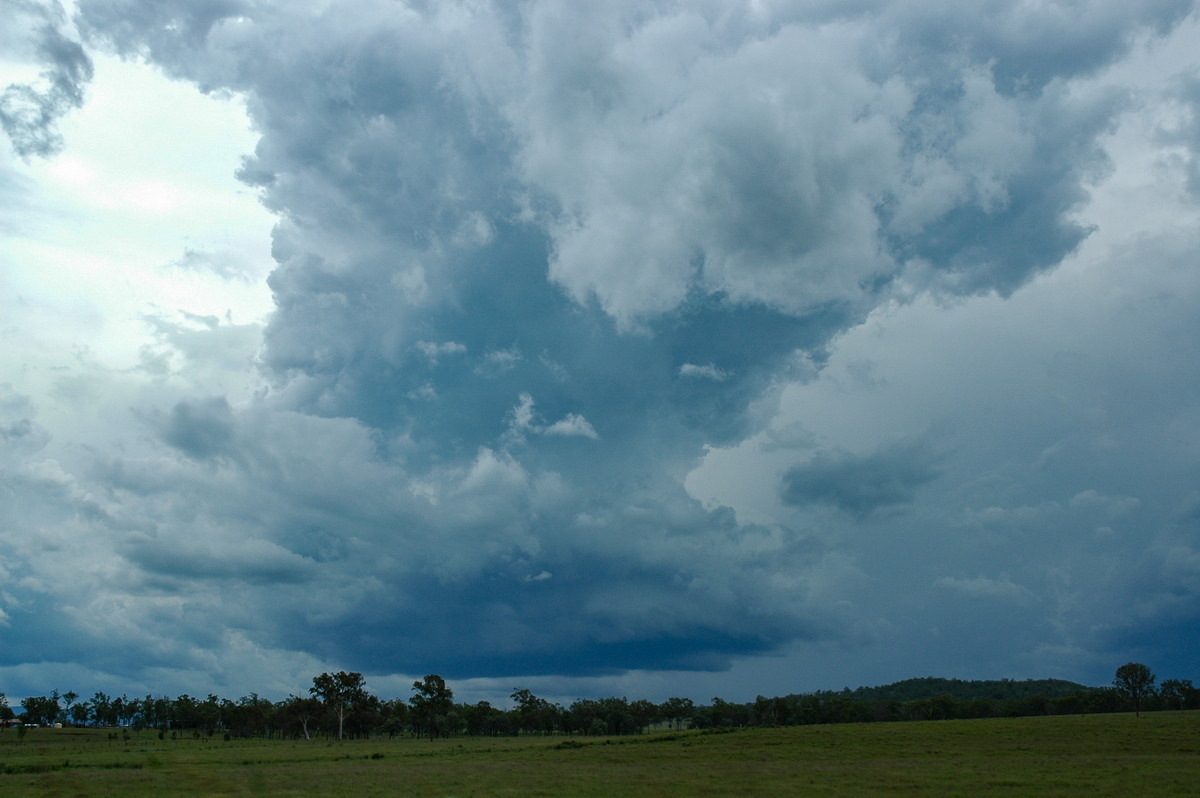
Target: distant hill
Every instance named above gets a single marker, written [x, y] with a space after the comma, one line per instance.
[998, 689]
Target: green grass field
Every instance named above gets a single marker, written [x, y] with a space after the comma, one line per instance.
[1119, 755]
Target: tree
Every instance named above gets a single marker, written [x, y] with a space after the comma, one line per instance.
[156, 712]
[208, 714]
[69, 699]
[1177, 692]
[251, 715]
[603, 716]
[432, 703]
[677, 711]
[365, 718]
[644, 713]
[533, 714]
[483, 719]
[1135, 681]
[393, 716]
[6, 712]
[40, 709]
[340, 692]
[300, 711]
[103, 713]
[80, 713]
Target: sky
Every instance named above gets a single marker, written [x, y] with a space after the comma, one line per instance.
[617, 348]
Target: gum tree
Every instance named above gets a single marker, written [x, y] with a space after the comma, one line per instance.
[340, 692]
[6, 712]
[1135, 681]
[431, 703]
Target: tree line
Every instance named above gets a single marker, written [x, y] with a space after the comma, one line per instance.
[339, 706]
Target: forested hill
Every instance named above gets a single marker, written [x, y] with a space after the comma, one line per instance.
[998, 689]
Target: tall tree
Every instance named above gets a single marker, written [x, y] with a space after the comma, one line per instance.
[6, 712]
[80, 713]
[69, 699]
[302, 711]
[1176, 692]
[644, 713]
[534, 715]
[40, 709]
[102, 710]
[340, 692]
[1135, 681]
[678, 711]
[431, 703]
[252, 714]
[393, 716]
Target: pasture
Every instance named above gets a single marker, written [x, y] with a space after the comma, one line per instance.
[1097, 755]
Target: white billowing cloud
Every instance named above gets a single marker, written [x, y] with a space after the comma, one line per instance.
[491, 471]
[523, 413]
[707, 371]
[780, 164]
[670, 173]
[434, 350]
[572, 425]
[523, 418]
[498, 361]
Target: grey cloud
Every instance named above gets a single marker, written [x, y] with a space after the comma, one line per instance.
[251, 560]
[17, 430]
[649, 217]
[132, 26]
[862, 485]
[29, 113]
[348, 312]
[406, 578]
[696, 158]
[1002, 590]
[605, 609]
[202, 429]
[227, 265]
[1186, 132]
[18, 427]
[1032, 45]
[210, 351]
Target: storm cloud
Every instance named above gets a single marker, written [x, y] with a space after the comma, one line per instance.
[635, 337]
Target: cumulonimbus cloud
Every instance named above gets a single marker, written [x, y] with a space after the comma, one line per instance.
[650, 217]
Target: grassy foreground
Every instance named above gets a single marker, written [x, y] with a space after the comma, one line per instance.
[1156, 754]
